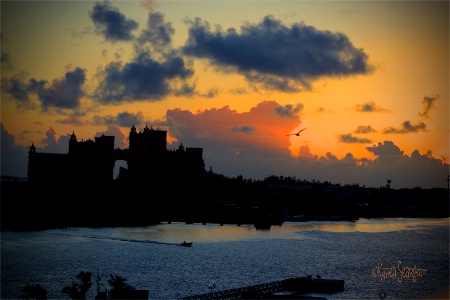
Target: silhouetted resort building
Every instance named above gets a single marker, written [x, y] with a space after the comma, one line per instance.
[148, 159]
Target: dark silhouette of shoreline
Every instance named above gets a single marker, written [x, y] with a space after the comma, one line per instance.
[217, 199]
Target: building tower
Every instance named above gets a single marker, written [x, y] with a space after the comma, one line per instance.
[147, 155]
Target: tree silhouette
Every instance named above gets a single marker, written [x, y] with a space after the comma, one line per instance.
[100, 294]
[33, 291]
[118, 282]
[79, 290]
[120, 289]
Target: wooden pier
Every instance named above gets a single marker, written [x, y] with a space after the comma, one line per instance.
[297, 285]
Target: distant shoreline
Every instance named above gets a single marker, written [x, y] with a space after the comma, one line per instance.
[25, 206]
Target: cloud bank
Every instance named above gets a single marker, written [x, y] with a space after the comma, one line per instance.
[236, 144]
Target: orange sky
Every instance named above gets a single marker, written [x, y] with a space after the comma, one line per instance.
[368, 79]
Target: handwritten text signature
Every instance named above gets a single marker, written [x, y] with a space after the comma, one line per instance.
[398, 272]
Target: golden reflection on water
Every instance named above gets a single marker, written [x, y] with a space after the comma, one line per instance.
[368, 225]
[209, 232]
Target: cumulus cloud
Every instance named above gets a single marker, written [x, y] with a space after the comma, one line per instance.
[111, 23]
[278, 56]
[404, 171]
[406, 127]
[155, 71]
[415, 170]
[53, 144]
[386, 149]
[19, 89]
[305, 152]
[143, 79]
[232, 153]
[14, 158]
[63, 93]
[120, 137]
[158, 33]
[220, 131]
[248, 154]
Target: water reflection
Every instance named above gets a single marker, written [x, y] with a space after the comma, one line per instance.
[369, 225]
[177, 232]
[152, 258]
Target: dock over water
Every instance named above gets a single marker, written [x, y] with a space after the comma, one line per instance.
[296, 285]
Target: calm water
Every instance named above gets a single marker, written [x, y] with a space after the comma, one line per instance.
[230, 257]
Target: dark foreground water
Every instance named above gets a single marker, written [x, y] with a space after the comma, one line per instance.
[402, 258]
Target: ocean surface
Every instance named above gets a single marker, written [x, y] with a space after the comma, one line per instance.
[395, 258]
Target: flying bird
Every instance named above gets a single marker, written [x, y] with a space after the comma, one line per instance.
[298, 133]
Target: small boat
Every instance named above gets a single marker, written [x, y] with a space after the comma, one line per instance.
[186, 244]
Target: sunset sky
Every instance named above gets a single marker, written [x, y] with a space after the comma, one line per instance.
[368, 79]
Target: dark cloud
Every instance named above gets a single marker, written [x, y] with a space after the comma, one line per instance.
[425, 160]
[120, 137]
[388, 149]
[428, 103]
[143, 79]
[20, 89]
[406, 127]
[348, 138]
[404, 171]
[111, 23]
[243, 129]
[331, 157]
[188, 90]
[122, 119]
[278, 56]
[53, 144]
[64, 92]
[126, 119]
[289, 110]
[16, 88]
[13, 157]
[5, 61]
[364, 129]
[273, 82]
[155, 72]
[369, 106]
[305, 153]
[157, 33]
